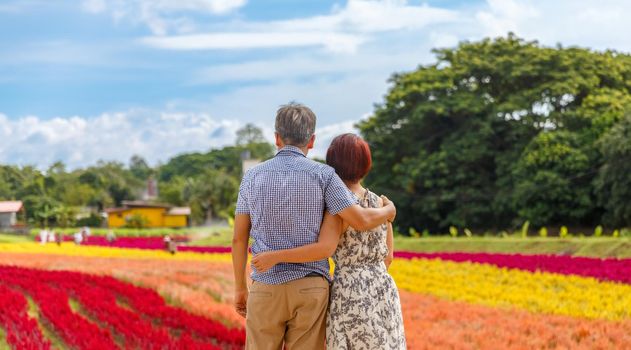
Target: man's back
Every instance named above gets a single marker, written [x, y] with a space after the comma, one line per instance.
[286, 197]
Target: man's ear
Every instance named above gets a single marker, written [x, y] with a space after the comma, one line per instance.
[279, 141]
[311, 142]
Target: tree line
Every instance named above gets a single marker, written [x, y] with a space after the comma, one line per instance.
[207, 182]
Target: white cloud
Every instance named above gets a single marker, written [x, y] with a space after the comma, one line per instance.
[80, 141]
[371, 16]
[301, 66]
[94, 6]
[325, 135]
[156, 136]
[600, 25]
[161, 16]
[341, 31]
[330, 40]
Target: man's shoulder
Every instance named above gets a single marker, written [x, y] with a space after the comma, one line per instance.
[318, 166]
[298, 164]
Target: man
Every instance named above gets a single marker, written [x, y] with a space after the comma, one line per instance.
[281, 204]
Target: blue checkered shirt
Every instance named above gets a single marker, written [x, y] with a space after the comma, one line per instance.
[286, 197]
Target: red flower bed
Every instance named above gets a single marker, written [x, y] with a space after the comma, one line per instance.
[22, 331]
[112, 314]
[618, 270]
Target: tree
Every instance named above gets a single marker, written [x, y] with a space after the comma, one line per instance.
[248, 134]
[496, 132]
[613, 183]
[210, 194]
[139, 167]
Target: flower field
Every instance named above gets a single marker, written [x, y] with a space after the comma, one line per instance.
[89, 297]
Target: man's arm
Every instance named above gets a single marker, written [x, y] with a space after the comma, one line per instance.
[363, 219]
[330, 232]
[239, 260]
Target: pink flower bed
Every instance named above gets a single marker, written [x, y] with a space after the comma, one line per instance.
[618, 270]
[127, 242]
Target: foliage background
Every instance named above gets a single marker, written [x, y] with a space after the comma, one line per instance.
[499, 132]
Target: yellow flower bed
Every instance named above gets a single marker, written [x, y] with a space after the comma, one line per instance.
[499, 287]
[71, 249]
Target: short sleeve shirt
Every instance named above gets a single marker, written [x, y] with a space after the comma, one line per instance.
[286, 197]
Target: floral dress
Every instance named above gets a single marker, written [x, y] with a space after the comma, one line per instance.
[364, 311]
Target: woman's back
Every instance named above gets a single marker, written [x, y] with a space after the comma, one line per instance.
[364, 311]
[363, 248]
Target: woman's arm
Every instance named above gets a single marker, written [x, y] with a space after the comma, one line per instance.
[390, 243]
[330, 232]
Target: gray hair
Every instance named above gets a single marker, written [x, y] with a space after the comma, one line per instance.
[295, 123]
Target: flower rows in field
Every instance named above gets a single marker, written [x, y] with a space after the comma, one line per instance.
[500, 287]
[70, 249]
[446, 304]
[202, 287]
[15, 321]
[604, 269]
[112, 314]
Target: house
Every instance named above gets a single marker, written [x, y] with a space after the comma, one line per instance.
[11, 213]
[153, 214]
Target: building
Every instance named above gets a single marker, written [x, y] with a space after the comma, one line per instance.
[153, 214]
[11, 214]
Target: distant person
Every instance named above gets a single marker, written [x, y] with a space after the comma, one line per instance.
[51, 236]
[78, 238]
[84, 235]
[59, 238]
[43, 236]
[110, 237]
[170, 245]
[167, 240]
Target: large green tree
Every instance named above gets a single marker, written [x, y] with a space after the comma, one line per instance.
[613, 183]
[497, 132]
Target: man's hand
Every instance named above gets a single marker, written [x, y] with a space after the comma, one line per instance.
[388, 203]
[264, 261]
[241, 302]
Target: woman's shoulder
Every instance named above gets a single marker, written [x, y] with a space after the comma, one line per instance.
[374, 199]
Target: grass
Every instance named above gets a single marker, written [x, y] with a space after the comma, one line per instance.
[579, 246]
[7, 238]
[217, 236]
[3, 340]
[45, 328]
[607, 246]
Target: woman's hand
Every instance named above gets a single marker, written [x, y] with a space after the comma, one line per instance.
[262, 262]
[388, 261]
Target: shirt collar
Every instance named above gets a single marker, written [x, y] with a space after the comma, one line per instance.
[291, 150]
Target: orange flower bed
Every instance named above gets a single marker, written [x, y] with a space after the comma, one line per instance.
[433, 323]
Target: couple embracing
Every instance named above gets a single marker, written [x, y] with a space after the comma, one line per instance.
[299, 213]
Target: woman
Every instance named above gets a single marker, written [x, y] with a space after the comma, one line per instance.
[364, 310]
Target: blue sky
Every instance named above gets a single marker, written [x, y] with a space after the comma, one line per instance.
[83, 80]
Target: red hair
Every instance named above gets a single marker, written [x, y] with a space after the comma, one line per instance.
[350, 156]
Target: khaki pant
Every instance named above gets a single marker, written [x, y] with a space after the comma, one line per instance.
[293, 313]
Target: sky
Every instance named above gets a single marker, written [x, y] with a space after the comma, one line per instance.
[89, 80]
